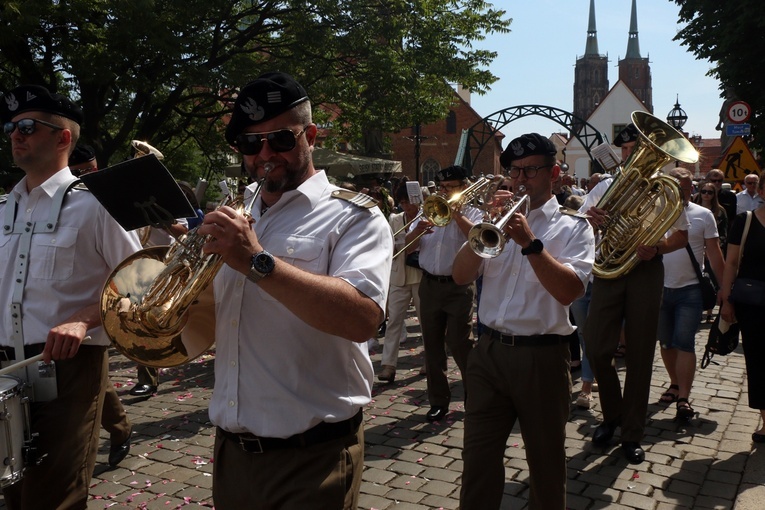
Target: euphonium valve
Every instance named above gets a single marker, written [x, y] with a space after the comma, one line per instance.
[487, 239]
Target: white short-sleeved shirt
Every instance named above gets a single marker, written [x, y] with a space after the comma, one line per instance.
[746, 202]
[678, 269]
[439, 248]
[513, 300]
[67, 267]
[275, 376]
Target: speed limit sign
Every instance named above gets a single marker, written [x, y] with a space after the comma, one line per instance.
[739, 111]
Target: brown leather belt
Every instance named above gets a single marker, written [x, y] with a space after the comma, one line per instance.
[321, 433]
[524, 341]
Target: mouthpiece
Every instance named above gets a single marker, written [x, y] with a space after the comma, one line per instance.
[268, 167]
[521, 190]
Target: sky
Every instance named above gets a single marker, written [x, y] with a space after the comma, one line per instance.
[535, 61]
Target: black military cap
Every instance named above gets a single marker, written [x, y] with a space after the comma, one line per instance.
[34, 98]
[626, 135]
[82, 153]
[530, 144]
[268, 96]
[453, 173]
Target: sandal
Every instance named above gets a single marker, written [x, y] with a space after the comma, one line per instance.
[620, 351]
[669, 396]
[684, 410]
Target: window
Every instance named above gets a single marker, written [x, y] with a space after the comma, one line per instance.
[615, 130]
[451, 123]
[430, 169]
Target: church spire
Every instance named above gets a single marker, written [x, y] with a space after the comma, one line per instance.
[592, 33]
[633, 45]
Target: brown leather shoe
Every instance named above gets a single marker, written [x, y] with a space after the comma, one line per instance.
[387, 374]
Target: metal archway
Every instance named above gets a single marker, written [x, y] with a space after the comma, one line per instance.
[479, 134]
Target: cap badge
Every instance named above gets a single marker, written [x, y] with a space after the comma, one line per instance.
[517, 148]
[12, 103]
[274, 97]
[253, 111]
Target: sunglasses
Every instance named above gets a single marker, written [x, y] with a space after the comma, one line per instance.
[707, 192]
[251, 144]
[26, 126]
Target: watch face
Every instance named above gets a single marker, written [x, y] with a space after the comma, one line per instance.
[263, 262]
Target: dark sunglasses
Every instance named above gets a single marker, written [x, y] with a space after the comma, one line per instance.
[251, 144]
[707, 192]
[26, 126]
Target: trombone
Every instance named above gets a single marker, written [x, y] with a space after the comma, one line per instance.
[487, 239]
[438, 210]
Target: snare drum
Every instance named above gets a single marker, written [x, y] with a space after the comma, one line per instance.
[13, 424]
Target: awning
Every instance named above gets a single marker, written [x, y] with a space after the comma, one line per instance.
[344, 165]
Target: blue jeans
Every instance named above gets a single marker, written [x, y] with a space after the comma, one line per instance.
[679, 317]
[579, 310]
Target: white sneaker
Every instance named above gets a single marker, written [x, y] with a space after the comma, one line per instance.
[584, 400]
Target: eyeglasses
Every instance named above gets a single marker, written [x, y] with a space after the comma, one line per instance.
[529, 171]
[283, 140]
[750, 183]
[450, 186]
[707, 192]
[26, 126]
[715, 180]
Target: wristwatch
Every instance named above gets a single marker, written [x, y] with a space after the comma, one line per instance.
[536, 246]
[261, 265]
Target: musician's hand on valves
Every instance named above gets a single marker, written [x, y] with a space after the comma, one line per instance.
[597, 216]
[517, 229]
[232, 238]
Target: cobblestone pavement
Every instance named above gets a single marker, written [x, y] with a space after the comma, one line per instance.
[412, 464]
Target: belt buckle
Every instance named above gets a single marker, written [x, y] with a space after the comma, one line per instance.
[511, 339]
[251, 445]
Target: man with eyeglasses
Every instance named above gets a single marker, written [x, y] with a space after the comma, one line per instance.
[58, 245]
[725, 197]
[303, 288]
[445, 307]
[519, 370]
[748, 199]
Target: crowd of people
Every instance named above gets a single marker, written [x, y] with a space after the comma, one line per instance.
[291, 379]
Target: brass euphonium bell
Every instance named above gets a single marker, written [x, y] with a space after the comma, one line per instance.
[642, 203]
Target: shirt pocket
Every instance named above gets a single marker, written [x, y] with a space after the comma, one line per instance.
[304, 252]
[52, 254]
[552, 246]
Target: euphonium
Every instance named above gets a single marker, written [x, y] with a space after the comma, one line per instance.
[145, 300]
[642, 204]
[438, 210]
[487, 239]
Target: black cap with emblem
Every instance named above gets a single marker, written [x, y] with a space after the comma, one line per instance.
[530, 144]
[34, 98]
[264, 98]
[626, 135]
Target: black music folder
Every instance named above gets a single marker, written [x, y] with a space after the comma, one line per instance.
[139, 192]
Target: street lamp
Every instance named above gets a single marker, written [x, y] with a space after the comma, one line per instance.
[677, 117]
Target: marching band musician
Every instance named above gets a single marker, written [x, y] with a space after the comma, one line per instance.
[445, 307]
[64, 245]
[520, 367]
[631, 301]
[301, 291]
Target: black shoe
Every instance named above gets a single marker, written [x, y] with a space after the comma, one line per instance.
[143, 390]
[604, 433]
[117, 453]
[758, 438]
[633, 452]
[436, 413]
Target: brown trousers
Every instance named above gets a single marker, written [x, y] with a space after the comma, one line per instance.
[325, 476]
[114, 419]
[68, 429]
[530, 385]
[446, 320]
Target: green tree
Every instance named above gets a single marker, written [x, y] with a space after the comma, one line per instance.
[731, 35]
[166, 71]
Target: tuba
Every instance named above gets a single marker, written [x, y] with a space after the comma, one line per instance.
[642, 203]
[145, 300]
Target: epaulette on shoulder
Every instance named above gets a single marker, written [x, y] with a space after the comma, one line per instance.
[3, 199]
[80, 186]
[573, 212]
[356, 198]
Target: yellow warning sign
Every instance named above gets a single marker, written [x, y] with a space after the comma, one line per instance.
[738, 162]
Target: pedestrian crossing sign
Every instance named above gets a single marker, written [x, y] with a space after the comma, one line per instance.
[738, 161]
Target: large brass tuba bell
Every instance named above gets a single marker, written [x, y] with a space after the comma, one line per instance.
[642, 203]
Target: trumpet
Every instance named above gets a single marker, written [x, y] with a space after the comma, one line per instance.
[487, 239]
[438, 210]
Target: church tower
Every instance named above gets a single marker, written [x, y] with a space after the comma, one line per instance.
[590, 74]
[635, 71]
